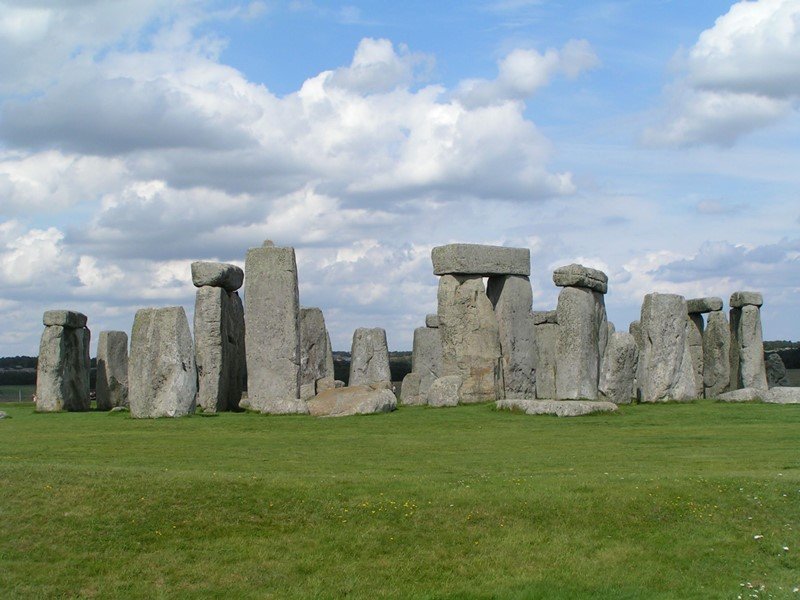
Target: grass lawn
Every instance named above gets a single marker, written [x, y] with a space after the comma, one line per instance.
[670, 501]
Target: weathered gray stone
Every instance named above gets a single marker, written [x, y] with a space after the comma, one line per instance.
[611, 329]
[742, 395]
[742, 299]
[64, 318]
[444, 391]
[325, 383]
[273, 328]
[579, 276]
[313, 347]
[432, 321]
[716, 355]
[544, 316]
[287, 406]
[328, 356]
[776, 371]
[618, 377]
[747, 349]
[215, 274]
[477, 259]
[635, 329]
[560, 408]
[219, 348]
[162, 373]
[112, 370]
[426, 358]
[3, 415]
[470, 338]
[512, 298]
[782, 395]
[369, 358]
[667, 372]
[703, 305]
[546, 342]
[582, 338]
[308, 390]
[409, 390]
[694, 333]
[352, 400]
[62, 374]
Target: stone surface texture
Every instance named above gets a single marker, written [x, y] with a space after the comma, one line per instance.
[742, 395]
[352, 400]
[432, 321]
[426, 358]
[703, 305]
[409, 390]
[444, 391]
[559, 408]
[544, 316]
[64, 318]
[62, 374]
[667, 372]
[112, 370]
[716, 355]
[747, 349]
[272, 335]
[776, 371]
[579, 276]
[287, 406]
[618, 376]
[215, 274]
[162, 374]
[583, 335]
[742, 299]
[313, 347]
[477, 259]
[470, 337]
[782, 395]
[512, 298]
[694, 332]
[369, 358]
[546, 342]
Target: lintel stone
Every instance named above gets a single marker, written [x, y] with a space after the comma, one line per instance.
[478, 259]
[740, 299]
[545, 316]
[215, 274]
[703, 305]
[64, 318]
[579, 276]
[432, 321]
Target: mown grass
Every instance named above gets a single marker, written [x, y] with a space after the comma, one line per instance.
[652, 502]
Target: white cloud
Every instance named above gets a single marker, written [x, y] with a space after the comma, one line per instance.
[740, 76]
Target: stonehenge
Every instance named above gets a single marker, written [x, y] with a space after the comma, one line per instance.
[316, 358]
[112, 370]
[62, 375]
[369, 359]
[716, 355]
[747, 348]
[618, 376]
[426, 363]
[776, 371]
[546, 327]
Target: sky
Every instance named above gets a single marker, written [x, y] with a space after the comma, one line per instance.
[658, 141]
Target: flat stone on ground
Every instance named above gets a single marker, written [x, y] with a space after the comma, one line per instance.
[782, 395]
[560, 408]
[575, 275]
[478, 259]
[64, 318]
[215, 274]
[355, 400]
[287, 406]
[742, 395]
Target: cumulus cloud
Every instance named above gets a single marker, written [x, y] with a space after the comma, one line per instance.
[741, 75]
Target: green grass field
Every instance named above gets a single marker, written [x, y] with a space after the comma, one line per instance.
[670, 501]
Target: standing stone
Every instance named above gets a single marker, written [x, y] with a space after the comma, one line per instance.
[470, 338]
[635, 329]
[694, 332]
[112, 370]
[329, 356]
[426, 358]
[369, 359]
[62, 374]
[219, 346]
[583, 334]
[747, 347]
[163, 375]
[716, 355]
[512, 299]
[409, 390]
[667, 372]
[313, 347]
[776, 371]
[273, 328]
[546, 324]
[618, 377]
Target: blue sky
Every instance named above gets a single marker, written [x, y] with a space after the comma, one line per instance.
[657, 141]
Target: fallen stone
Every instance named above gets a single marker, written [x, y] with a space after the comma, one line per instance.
[444, 391]
[286, 406]
[716, 355]
[162, 373]
[432, 321]
[618, 376]
[112, 370]
[273, 327]
[512, 298]
[325, 383]
[783, 395]
[667, 372]
[742, 299]
[313, 347]
[579, 276]
[546, 342]
[477, 259]
[560, 408]
[119, 409]
[352, 400]
[3, 415]
[426, 358]
[703, 305]
[62, 374]
[369, 358]
[776, 371]
[64, 318]
[470, 337]
[694, 335]
[215, 274]
[409, 390]
[747, 349]
[338, 383]
[742, 395]
[545, 316]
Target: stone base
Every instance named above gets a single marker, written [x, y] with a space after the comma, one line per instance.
[560, 408]
[355, 400]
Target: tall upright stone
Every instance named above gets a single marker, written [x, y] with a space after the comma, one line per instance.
[618, 376]
[426, 357]
[583, 331]
[369, 359]
[747, 347]
[716, 355]
[313, 350]
[272, 337]
[329, 372]
[470, 338]
[694, 333]
[112, 370]
[546, 324]
[667, 372]
[162, 370]
[62, 373]
[776, 371]
[512, 298]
